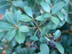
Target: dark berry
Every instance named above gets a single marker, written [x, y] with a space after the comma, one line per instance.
[35, 45]
[47, 42]
[52, 38]
[51, 41]
[32, 41]
[31, 46]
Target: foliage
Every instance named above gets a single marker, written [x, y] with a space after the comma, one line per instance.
[37, 22]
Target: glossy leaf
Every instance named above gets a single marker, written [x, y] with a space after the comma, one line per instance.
[9, 17]
[20, 37]
[71, 28]
[49, 2]
[57, 33]
[25, 18]
[57, 7]
[44, 49]
[60, 48]
[60, 15]
[35, 38]
[28, 11]
[47, 15]
[45, 6]
[5, 26]
[4, 6]
[55, 20]
[11, 34]
[43, 39]
[18, 3]
[39, 18]
[23, 29]
[17, 16]
[44, 31]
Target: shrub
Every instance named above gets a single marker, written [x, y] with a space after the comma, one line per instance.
[36, 26]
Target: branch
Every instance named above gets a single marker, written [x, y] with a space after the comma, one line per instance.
[37, 27]
[44, 22]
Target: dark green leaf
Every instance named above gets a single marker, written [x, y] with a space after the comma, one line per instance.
[11, 34]
[28, 11]
[60, 15]
[57, 33]
[17, 16]
[35, 38]
[5, 26]
[47, 15]
[60, 48]
[20, 37]
[44, 49]
[43, 39]
[45, 6]
[57, 7]
[39, 18]
[4, 6]
[55, 20]
[71, 28]
[44, 31]
[25, 18]
[18, 3]
[23, 29]
[31, 50]
[9, 17]
[49, 2]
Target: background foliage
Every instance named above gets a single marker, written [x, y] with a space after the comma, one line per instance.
[36, 26]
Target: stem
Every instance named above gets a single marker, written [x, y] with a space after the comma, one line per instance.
[35, 32]
[37, 27]
[44, 22]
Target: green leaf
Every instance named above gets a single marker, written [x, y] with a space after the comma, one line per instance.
[31, 50]
[43, 39]
[23, 29]
[57, 7]
[17, 16]
[56, 1]
[5, 26]
[25, 50]
[18, 3]
[60, 48]
[71, 28]
[39, 18]
[4, 0]
[4, 6]
[35, 38]
[13, 9]
[28, 11]
[44, 49]
[25, 18]
[55, 20]
[45, 6]
[54, 52]
[66, 0]
[11, 34]
[2, 34]
[38, 1]
[60, 15]
[40, 53]
[49, 2]
[57, 33]
[20, 37]
[47, 15]
[67, 19]
[9, 17]
[44, 31]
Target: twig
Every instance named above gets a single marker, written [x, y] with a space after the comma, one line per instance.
[44, 22]
[37, 27]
